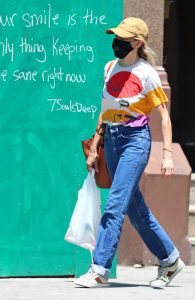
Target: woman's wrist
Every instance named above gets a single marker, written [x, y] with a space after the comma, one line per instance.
[167, 152]
[93, 149]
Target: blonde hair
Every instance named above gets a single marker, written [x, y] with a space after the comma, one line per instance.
[146, 52]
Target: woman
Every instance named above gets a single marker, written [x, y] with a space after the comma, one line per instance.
[131, 90]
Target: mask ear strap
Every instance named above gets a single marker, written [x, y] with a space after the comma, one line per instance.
[140, 40]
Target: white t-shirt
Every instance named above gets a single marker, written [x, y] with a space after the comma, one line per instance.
[130, 93]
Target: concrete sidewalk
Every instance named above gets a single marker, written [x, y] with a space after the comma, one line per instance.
[131, 284]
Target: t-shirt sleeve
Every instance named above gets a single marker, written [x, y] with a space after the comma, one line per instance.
[154, 91]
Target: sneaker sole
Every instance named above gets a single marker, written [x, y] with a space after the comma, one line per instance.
[88, 285]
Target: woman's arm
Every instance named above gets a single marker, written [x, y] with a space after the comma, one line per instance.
[167, 162]
[92, 160]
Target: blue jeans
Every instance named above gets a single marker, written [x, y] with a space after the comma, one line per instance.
[127, 151]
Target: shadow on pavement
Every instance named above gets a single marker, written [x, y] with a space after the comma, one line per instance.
[120, 284]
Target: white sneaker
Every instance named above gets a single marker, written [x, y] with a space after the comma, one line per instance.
[166, 274]
[92, 280]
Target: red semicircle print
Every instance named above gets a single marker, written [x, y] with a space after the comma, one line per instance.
[124, 85]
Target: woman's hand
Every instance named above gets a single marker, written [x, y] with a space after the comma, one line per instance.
[92, 161]
[167, 166]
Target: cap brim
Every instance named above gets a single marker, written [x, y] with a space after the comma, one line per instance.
[120, 32]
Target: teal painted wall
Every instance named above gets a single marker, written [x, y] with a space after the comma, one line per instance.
[51, 74]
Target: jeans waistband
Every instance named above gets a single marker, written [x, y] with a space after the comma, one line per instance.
[115, 125]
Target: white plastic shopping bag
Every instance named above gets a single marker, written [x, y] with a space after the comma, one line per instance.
[83, 226]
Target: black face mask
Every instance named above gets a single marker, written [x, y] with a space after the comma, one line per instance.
[121, 48]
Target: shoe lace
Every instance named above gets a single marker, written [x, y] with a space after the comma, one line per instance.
[162, 271]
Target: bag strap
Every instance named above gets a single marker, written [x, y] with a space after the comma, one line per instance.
[110, 66]
[100, 130]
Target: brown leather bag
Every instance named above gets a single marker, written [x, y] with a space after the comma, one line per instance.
[102, 177]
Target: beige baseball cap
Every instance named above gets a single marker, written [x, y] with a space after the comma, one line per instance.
[130, 27]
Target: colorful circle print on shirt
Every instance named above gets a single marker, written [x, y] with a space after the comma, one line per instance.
[124, 85]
